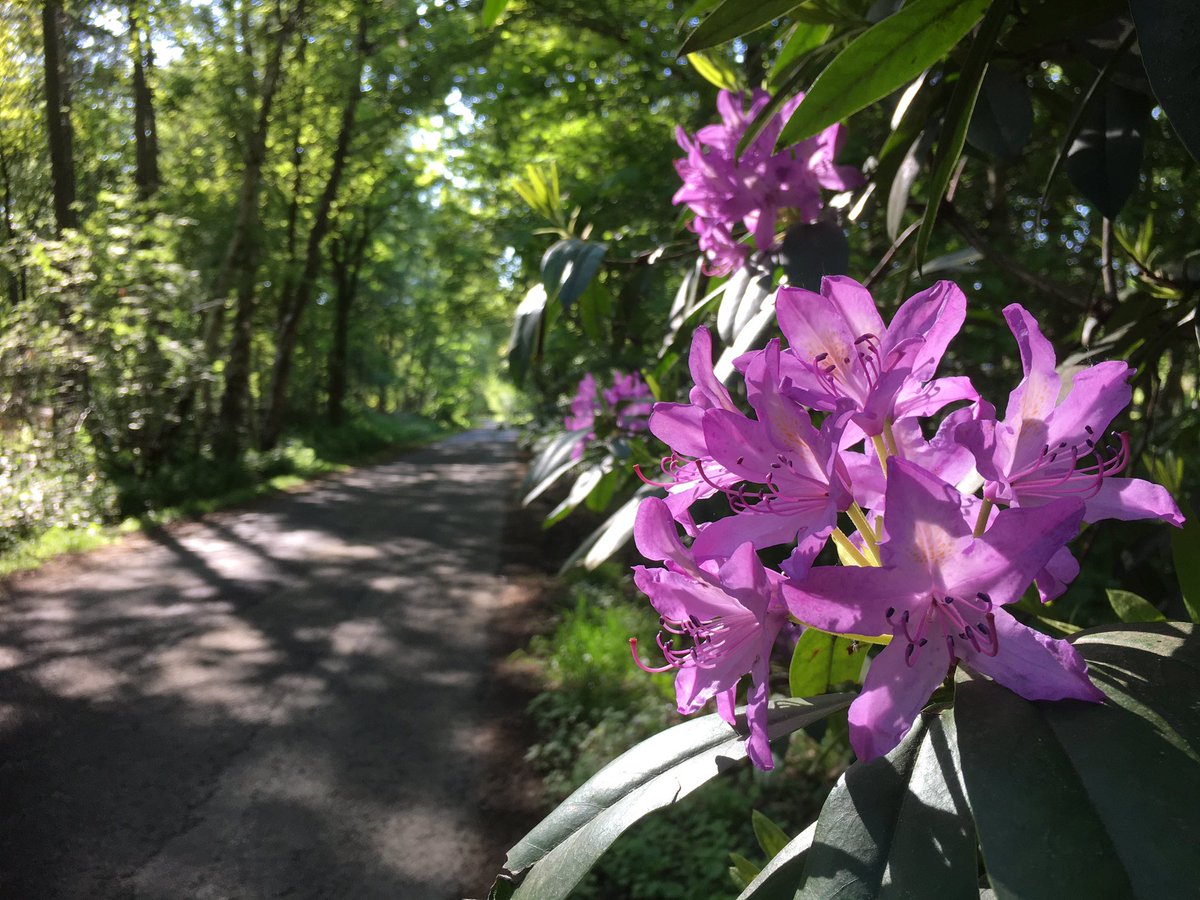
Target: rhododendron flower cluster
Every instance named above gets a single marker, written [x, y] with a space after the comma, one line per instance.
[726, 191]
[621, 408]
[937, 535]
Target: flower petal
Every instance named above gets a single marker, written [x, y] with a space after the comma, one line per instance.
[934, 317]
[656, 536]
[1097, 395]
[924, 519]
[1053, 580]
[893, 695]
[1014, 549]
[847, 600]
[758, 747]
[1132, 498]
[1036, 395]
[1035, 666]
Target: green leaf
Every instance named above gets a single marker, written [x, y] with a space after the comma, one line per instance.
[770, 836]
[595, 310]
[1185, 548]
[551, 464]
[822, 661]
[1168, 33]
[1130, 607]
[779, 877]
[715, 70]
[903, 181]
[492, 10]
[742, 871]
[809, 252]
[585, 483]
[880, 60]
[1077, 118]
[525, 342]
[657, 772]
[569, 266]
[958, 118]
[803, 38]
[897, 826]
[1111, 791]
[1105, 160]
[734, 18]
[1003, 118]
[612, 534]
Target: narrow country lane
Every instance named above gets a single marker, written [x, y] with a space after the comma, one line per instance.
[276, 701]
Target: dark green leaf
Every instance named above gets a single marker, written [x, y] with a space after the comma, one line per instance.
[881, 60]
[525, 341]
[803, 38]
[1106, 158]
[770, 836]
[734, 18]
[822, 661]
[1185, 548]
[809, 252]
[1113, 788]
[958, 118]
[1130, 665]
[897, 826]
[1169, 34]
[780, 877]
[1053, 21]
[1130, 607]
[595, 310]
[656, 773]
[1077, 118]
[569, 266]
[1003, 118]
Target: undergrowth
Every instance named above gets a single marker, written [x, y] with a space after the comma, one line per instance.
[596, 704]
[190, 488]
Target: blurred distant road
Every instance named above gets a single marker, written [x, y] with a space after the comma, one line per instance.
[278, 701]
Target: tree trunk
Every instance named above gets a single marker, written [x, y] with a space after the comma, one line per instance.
[58, 120]
[145, 176]
[13, 278]
[242, 258]
[294, 303]
[347, 266]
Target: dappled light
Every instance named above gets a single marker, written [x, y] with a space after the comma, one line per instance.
[599, 449]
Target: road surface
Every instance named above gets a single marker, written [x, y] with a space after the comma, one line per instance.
[279, 701]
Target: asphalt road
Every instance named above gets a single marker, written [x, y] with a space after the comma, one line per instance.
[280, 701]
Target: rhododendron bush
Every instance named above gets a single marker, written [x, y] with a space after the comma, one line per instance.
[868, 496]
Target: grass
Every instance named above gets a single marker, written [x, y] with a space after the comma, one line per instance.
[595, 704]
[188, 492]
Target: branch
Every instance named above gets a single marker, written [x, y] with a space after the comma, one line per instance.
[1003, 261]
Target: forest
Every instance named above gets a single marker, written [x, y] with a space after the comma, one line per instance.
[708, 257]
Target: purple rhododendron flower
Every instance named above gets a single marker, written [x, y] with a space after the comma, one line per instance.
[730, 611]
[938, 594]
[797, 463]
[1047, 447]
[631, 400]
[725, 190]
[585, 406]
[627, 402]
[693, 472]
[836, 429]
[839, 350]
